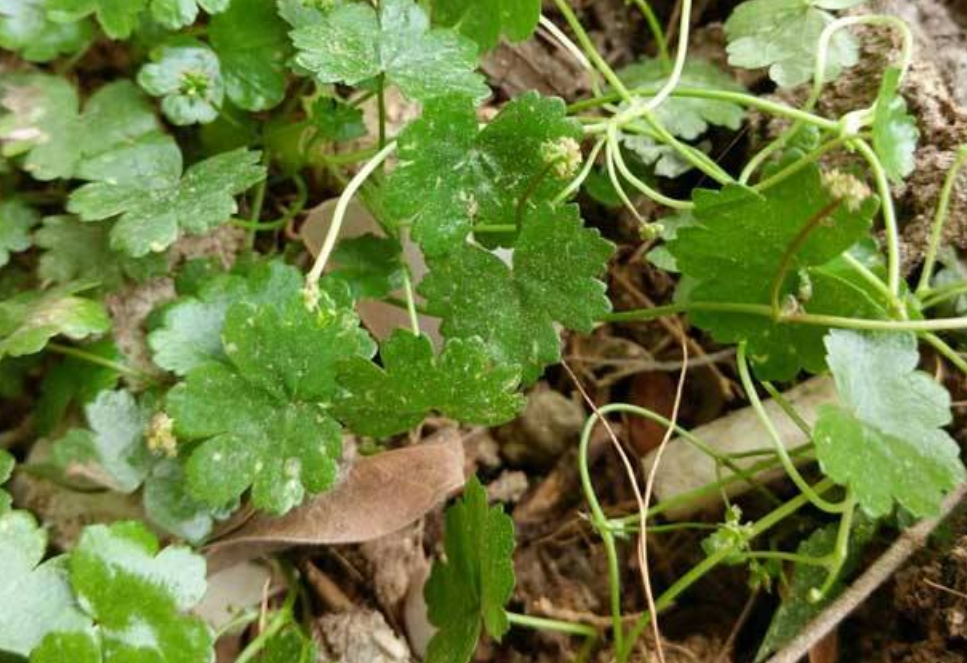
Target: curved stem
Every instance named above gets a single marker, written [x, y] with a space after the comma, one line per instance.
[614, 149]
[790, 467]
[610, 160]
[575, 52]
[657, 32]
[939, 220]
[841, 550]
[948, 352]
[312, 280]
[575, 185]
[889, 215]
[591, 52]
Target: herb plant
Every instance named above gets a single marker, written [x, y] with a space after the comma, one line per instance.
[253, 369]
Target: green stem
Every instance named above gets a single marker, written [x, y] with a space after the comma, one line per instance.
[575, 184]
[934, 296]
[668, 597]
[762, 310]
[531, 189]
[939, 220]
[257, 202]
[657, 32]
[97, 360]
[801, 163]
[785, 264]
[889, 215]
[841, 550]
[952, 355]
[788, 409]
[555, 625]
[591, 51]
[614, 152]
[495, 228]
[787, 464]
[293, 211]
[381, 105]
[279, 620]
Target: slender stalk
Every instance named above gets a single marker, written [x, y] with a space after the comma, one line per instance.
[574, 186]
[948, 352]
[661, 41]
[98, 360]
[799, 164]
[890, 223]
[381, 105]
[939, 220]
[614, 149]
[841, 550]
[312, 280]
[555, 625]
[936, 296]
[591, 51]
[762, 310]
[797, 243]
[293, 211]
[257, 202]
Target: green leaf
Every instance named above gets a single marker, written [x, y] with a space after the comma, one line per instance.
[471, 588]
[190, 334]
[462, 383]
[169, 505]
[113, 451]
[77, 647]
[187, 75]
[353, 43]
[29, 320]
[451, 176]
[26, 29]
[261, 416]
[75, 251]
[798, 609]
[40, 592]
[555, 272]
[734, 251]
[74, 380]
[485, 21]
[177, 14]
[138, 595]
[371, 266]
[685, 117]
[7, 463]
[784, 36]
[895, 132]
[118, 18]
[118, 139]
[885, 439]
[16, 221]
[337, 121]
[154, 213]
[252, 46]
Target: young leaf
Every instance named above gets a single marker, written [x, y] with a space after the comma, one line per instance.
[26, 29]
[736, 247]
[29, 320]
[191, 333]
[40, 592]
[154, 213]
[468, 591]
[118, 18]
[187, 75]
[337, 121]
[369, 265]
[353, 43]
[77, 381]
[895, 132]
[462, 383]
[784, 36]
[554, 279]
[176, 14]
[252, 46]
[168, 504]
[113, 450]
[451, 175]
[485, 21]
[138, 596]
[118, 139]
[76, 647]
[75, 251]
[885, 439]
[261, 416]
[16, 221]
[685, 117]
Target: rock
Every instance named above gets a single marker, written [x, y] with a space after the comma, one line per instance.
[549, 425]
[362, 636]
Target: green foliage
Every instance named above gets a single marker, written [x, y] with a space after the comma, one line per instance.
[462, 383]
[152, 214]
[31, 319]
[261, 413]
[138, 596]
[118, 18]
[7, 463]
[889, 420]
[187, 75]
[452, 176]
[734, 251]
[16, 221]
[554, 279]
[468, 591]
[77, 381]
[26, 28]
[686, 117]
[355, 43]
[175, 14]
[783, 35]
[895, 132]
[40, 591]
[369, 265]
[485, 21]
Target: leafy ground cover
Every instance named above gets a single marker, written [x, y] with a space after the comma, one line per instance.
[253, 252]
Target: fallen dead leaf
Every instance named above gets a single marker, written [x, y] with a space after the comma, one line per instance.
[381, 495]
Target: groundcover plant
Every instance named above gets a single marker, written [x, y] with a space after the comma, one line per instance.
[169, 339]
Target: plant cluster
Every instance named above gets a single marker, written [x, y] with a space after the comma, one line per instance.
[255, 372]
